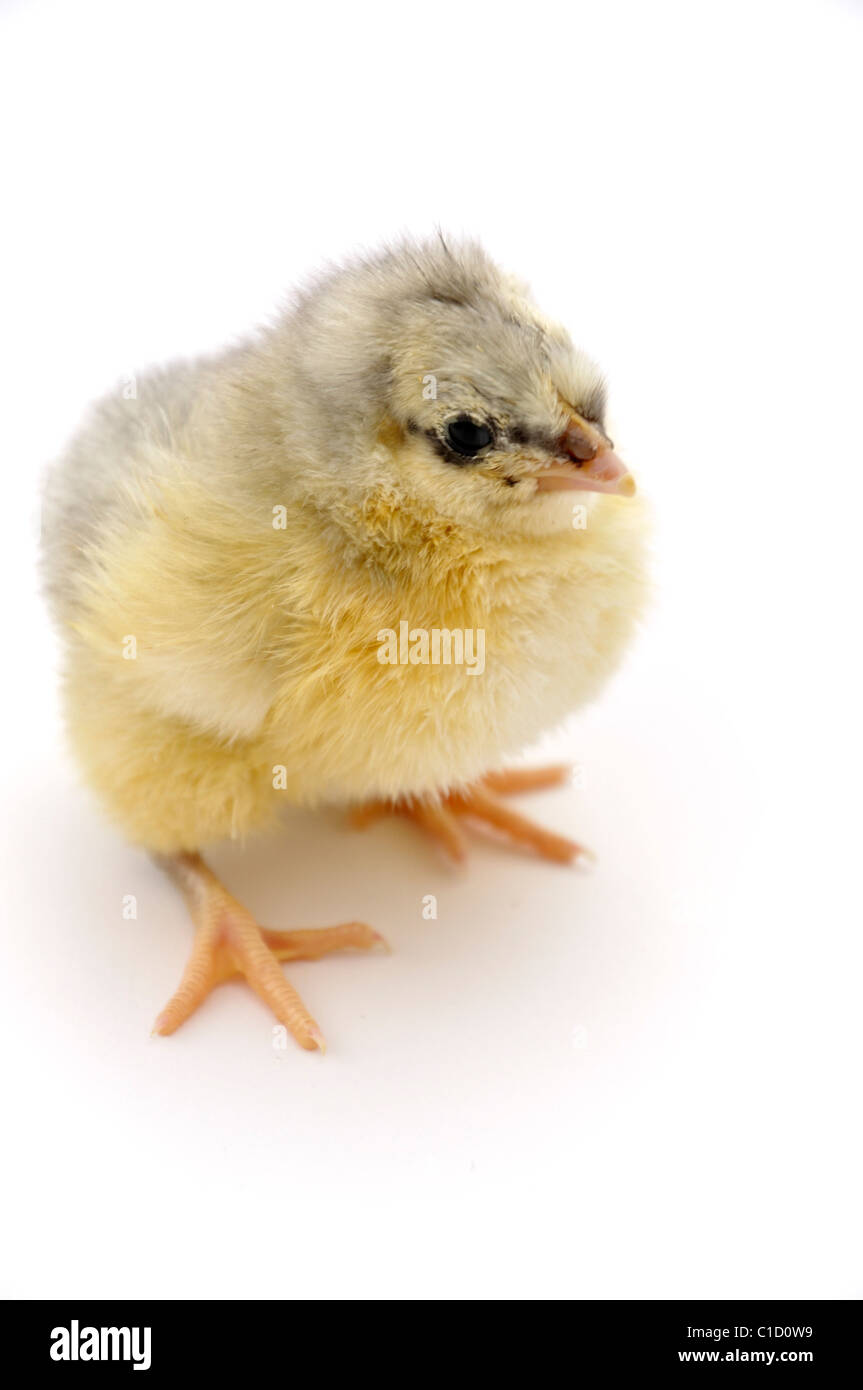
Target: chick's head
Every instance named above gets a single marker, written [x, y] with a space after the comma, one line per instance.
[430, 375]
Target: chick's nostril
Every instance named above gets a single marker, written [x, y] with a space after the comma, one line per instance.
[578, 445]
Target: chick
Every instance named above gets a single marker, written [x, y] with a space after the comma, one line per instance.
[250, 558]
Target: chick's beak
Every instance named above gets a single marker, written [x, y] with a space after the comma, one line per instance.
[585, 461]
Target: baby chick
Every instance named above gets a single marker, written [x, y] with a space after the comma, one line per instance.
[250, 558]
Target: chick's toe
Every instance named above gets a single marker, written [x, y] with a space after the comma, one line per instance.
[482, 806]
[229, 943]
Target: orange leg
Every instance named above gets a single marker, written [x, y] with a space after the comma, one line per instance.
[229, 942]
[481, 804]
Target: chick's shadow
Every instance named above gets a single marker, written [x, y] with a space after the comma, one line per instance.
[316, 870]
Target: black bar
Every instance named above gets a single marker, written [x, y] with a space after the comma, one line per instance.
[172, 1338]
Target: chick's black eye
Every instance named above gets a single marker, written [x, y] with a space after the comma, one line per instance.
[464, 436]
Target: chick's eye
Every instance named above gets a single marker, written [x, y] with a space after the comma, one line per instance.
[464, 436]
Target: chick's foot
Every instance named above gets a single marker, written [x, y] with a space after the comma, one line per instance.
[481, 805]
[229, 943]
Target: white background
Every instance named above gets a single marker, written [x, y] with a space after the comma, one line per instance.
[642, 1082]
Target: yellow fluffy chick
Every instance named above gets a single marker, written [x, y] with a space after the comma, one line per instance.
[360, 559]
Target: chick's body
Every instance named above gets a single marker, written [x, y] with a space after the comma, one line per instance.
[226, 550]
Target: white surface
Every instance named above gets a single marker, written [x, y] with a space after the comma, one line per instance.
[643, 1082]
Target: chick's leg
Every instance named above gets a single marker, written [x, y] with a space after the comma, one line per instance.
[481, 804]
[229, 943]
